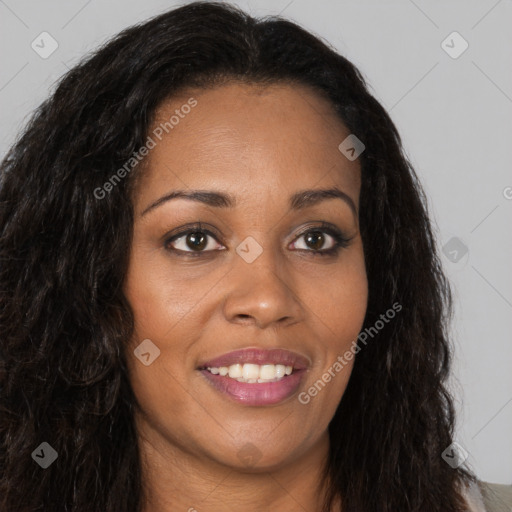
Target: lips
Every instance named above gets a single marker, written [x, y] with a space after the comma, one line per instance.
[257, 392]
[260, 357]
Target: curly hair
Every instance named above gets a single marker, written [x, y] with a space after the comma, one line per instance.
[64, 319]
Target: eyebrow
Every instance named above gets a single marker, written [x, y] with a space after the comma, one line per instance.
[298, 201]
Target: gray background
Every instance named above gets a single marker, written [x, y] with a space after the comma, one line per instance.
[454, 115]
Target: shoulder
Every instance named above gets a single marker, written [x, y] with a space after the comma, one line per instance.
[487, 497]
[496, 497]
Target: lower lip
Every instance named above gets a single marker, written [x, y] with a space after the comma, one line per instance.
[261, 393]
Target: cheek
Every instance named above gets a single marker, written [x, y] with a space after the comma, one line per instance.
[339, 300]
[165, 313]
[339, 307]
[160, 295]
[169, 307]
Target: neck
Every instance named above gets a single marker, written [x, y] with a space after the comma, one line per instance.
[175, 479]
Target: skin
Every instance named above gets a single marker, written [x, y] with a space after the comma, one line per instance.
[261, 145]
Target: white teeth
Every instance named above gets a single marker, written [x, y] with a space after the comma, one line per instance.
[250, 381]
[267, 372]
[235, 371]
[253, 373]
[280, 370]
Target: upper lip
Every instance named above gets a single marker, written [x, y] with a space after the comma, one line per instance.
[258, 356]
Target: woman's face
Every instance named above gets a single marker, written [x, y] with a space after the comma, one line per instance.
[247, 279]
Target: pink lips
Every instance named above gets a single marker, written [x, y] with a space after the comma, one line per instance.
[264, 393]
[258, 356]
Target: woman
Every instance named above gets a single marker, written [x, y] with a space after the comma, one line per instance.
[220, 287]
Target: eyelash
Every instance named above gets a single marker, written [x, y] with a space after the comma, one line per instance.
[340, 240]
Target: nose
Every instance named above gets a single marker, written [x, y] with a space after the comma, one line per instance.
[262, 293]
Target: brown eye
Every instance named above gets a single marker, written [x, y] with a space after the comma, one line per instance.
[192, 241]
[196, 240]
[315, 239]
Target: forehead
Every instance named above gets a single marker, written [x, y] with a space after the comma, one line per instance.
[248, 139]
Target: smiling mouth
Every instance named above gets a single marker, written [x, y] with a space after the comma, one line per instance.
[255, 392]
[255, 365]
[252, 373]
[256, 377]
